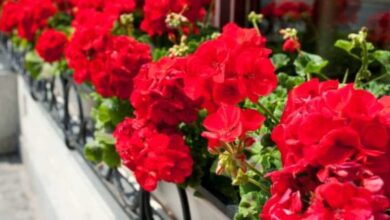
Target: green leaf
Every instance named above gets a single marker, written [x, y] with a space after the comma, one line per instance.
[383, 57]
[344, 45]
[110, 156]
[280, 60]
[370, 46]
[93, 152]
[110, 111]
[33, 64]
[377, 88]
[250, 205]
[307, 63]
[214, 165]
[104, 137]
[158, 53]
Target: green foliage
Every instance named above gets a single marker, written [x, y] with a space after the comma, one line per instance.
[265, 159]
[360, 49]
[280, 60]
[102, 149]
[159, 53]
[289, 82]
[93, 152]
[33, 64]
[378, 89]
[20, 43]
[199, 153]
[108, 112]
[344, 45]
[110, 156]
[383, 57]
[250, 205]
[61, 21]
[307, 64]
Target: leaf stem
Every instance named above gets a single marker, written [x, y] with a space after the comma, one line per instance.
[267, 112]
[323, 76]
[254, 169]
[256, 183]
[256, 26]
[376, 79]
[346, 76]
[364, 68]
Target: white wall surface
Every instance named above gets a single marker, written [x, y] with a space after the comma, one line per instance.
[65, 186]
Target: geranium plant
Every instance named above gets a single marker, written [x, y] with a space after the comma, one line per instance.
[176, 101]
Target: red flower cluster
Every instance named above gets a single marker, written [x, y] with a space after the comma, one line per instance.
[112, 72]
[229, 123]
[230, 68]
[335, 145]
[159, 95]
[153, 148]
[153, 156]
[28, 16]
[347, 10]
[88, 42]
[108, 61]
[343, 11]
[9, 16]
[51, 45]
[287, 9]
[220, 74]
[110, 8]
[379, 28]
[155, 13]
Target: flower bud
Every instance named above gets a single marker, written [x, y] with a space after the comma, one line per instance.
[175, 20]
[255, 18]
[241, 178]
[126, 19]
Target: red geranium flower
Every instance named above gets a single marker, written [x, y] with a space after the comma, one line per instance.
[291, 45]
[158, 94]
[339, 138]
[230, 122]
[379, 28]
[119, 64]
[229, 69]
[335, 200]
[9, 16]
[155, 13]
[287, 9]
[151, 155]
[33, 15]
[51, 45]
[88, 42]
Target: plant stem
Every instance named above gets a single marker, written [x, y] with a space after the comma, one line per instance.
[256, 183]
[354, 56]
[346, 76]
[254, 23]
[364, 68]
[377, 78]
[322, 75]
[267, 112]
[251, 167]
[229, 148]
